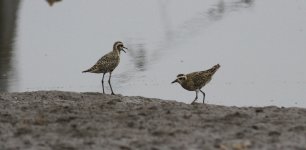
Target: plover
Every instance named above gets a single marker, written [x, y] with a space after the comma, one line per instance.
[196, 80]
[108, 63]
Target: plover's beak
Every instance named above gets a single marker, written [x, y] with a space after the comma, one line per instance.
[124, 48]
[174, 81]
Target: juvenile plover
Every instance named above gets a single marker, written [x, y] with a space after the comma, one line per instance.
[196, 80]
[108, 63]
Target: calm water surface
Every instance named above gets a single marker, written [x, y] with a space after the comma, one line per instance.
[260, 44]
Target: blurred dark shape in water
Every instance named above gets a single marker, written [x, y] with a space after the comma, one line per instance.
[8, 16]
[218, 11]
[166, 19]
[196, 23]
[138, 54]
[249, 2]
[51, 2]
[141, 58]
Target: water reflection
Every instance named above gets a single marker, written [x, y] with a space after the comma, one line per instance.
[166, 19]
[219, 9]
[51, 2]
[8, 16]
[217, 12]
[193, 26]
[247, 2]
[138, 54]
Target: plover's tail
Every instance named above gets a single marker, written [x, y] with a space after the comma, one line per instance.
[93, 69]
[214, 69]
[88, 70]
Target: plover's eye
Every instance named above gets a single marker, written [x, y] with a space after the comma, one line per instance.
[181, 78]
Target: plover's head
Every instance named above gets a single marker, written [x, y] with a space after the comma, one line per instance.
[119, 46]
[180, 78]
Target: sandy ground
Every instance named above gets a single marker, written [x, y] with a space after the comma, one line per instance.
[56, 120]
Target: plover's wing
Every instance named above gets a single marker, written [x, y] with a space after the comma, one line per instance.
[109, 62]
[199, 79]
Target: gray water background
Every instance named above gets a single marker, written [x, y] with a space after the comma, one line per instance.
[260, 45]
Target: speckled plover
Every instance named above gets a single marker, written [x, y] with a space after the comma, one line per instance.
[196, 80]
[108, 63]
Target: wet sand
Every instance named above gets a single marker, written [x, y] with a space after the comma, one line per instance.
[57, 120]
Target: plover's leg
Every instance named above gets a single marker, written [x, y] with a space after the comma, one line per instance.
[109, 82]
[103, 83]
[197, 91]
[203, 95]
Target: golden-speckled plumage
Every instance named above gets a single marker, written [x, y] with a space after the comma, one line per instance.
[196, 80]
[108, 62]
[105, 64]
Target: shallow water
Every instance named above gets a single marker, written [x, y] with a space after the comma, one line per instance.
[259, 44]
